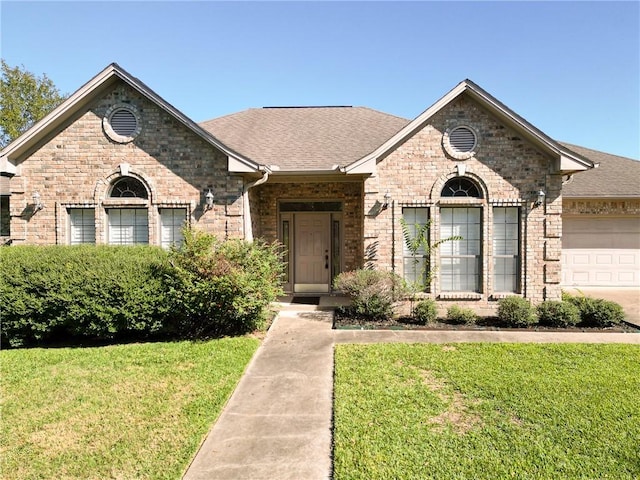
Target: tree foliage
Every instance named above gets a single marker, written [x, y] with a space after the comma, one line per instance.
[24, 99]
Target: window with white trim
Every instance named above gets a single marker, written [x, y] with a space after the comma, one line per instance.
[172, 221]
[413, 268]
[506, 247]
[82, 225]
[128, 226]
[460, 260]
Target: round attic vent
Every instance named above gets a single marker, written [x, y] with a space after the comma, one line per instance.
[460, 142]
[122, 123]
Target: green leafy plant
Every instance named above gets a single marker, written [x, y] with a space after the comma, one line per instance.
[516, 311]
[53, 293]
[420, 249]
[222, 288]
[425, 311]
[596, 312]
[461, 315]
[373, 293]
[558, 314]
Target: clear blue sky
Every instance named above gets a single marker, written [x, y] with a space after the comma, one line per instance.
[570, 68]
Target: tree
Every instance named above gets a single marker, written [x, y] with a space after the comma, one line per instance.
[24, 99]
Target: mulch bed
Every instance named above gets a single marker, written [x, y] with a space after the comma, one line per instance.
[343, 321]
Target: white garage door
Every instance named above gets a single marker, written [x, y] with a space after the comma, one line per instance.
[601, 251]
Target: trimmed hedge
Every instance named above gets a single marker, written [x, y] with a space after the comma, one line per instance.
[462, 316]
[516, 311]
[56, 293]
[596, 312]
[558, 314]
[425, 311]
[206, 288]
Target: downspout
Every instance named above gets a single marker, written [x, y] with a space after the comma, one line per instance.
[248, 230]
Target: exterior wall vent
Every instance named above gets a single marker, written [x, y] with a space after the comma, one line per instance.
[122, 123]
[460, 142]
[462, 139]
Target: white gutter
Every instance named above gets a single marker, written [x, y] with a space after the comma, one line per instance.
[248, 230]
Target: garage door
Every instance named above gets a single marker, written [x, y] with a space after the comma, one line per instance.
[601, 252]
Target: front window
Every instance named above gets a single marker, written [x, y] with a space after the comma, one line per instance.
[172, 221]
[506, 226]
[82, 226]
[414, 260]
[460, 259]
[128, 226]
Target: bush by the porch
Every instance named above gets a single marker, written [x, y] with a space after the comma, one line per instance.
[373, 293]
[596, 312]
[221, 288]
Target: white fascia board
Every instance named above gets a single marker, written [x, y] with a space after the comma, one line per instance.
[70, 105]
[568, 164]
[367, 166]
[6, 167]
[235, 165]
[58, 114]
[405, 132]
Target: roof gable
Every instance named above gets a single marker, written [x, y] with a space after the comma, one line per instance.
[92, 89]
[566, 160]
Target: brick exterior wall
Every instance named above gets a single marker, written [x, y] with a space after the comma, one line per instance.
[507, 169]
[76, 167]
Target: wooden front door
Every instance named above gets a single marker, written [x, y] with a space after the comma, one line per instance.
[312, 264]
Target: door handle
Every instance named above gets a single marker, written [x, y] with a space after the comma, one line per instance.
[326, 262]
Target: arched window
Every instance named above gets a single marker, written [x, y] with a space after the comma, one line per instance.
[128, 187]
[129, 222]
[461, 187]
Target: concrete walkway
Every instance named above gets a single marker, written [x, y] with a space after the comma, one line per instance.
[277, 424]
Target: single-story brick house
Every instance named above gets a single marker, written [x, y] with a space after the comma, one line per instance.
[117, 164]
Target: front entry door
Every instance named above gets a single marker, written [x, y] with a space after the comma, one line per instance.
[312, 268]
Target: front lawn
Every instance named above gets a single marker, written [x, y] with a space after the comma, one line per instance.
[487, 411]
[134, 411]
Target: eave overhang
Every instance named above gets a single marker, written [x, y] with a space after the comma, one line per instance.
[565, 160]
[82, 97]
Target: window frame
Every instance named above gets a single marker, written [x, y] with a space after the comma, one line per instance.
[516, 257]
[88, 220]
[137, 228]
[454, 245]
[410, 269]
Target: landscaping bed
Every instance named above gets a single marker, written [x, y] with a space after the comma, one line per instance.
[344, 320]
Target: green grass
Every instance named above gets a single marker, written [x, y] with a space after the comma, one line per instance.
[134, 411]
[487, 411]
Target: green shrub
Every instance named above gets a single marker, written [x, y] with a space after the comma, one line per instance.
[425, 311]
[558, 314]
[222, 288]
[460, 315]
[516, 312]
[596, 312]
[373, 293]
[50, 293]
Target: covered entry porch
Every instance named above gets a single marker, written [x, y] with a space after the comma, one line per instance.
[319, 225]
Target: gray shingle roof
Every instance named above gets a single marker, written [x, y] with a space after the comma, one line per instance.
[615, 177]
[305, 138]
